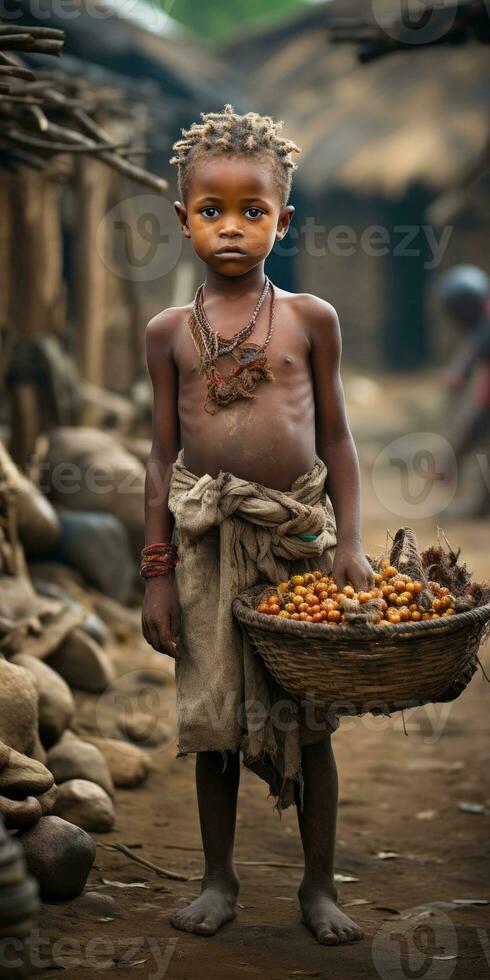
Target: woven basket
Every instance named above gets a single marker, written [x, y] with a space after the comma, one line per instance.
[360, 668]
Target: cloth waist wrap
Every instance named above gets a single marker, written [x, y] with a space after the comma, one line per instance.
[232, 534]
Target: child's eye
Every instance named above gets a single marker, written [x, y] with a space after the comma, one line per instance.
[256, 212]
[210, 208]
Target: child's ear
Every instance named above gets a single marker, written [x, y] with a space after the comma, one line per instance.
[284, 221]
[181, 211]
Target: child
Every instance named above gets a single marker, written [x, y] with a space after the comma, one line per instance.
[464, 291]
[244, 434]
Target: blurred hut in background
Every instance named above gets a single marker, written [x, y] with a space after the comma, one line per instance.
[383, 139]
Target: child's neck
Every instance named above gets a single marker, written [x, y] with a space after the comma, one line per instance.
[234, 287]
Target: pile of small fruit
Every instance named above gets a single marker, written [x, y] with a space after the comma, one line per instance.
[395, 598]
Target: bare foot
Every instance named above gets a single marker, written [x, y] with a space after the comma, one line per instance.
[325, 920]
[215, 906]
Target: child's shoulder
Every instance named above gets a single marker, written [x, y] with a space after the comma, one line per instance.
[315, 313]
[168, 319]
[162, 332]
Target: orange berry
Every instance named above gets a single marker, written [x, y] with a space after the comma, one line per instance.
[295, 616]
[263, 608]
[300, 589]
[389, 571]
[290, 607]
[416, 615]
[349, 591]
[303, 616]
[334, 615]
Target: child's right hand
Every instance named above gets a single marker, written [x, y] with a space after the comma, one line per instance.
[160, 616]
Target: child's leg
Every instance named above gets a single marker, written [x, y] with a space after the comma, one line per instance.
[217, 797]
[317, 822]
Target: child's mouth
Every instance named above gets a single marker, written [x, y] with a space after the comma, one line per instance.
[230, 253]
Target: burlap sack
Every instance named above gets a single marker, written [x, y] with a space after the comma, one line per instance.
[231, 534]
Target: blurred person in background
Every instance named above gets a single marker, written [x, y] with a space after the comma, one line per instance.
[464, 291]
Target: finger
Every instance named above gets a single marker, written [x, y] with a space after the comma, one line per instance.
[168, 646]
[175, 624]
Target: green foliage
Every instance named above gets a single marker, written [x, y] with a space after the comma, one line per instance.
[215, 19]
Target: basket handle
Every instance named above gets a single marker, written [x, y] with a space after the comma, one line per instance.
[404, 555]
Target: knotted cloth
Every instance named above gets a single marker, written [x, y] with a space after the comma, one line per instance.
[231, 534]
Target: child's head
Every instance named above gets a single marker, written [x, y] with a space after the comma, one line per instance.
[233, 165]
[226, 132]
[464, 291]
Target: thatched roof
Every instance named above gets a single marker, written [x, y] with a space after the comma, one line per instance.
[137, 40]
[49, 113]
[375, 128]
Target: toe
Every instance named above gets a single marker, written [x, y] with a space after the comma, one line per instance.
[327, 937]
[207, 927]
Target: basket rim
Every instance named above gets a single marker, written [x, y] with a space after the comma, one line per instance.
[245, 613]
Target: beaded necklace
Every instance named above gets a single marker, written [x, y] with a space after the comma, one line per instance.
[251, 358]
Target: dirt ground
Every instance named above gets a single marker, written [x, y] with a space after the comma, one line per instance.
[399, 793]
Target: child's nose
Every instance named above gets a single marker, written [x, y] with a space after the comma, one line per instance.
[230, 229]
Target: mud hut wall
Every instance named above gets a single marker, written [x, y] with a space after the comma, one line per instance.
[353, 283]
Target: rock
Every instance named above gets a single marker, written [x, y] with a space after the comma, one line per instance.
[47, 800]
[128, 765]
[98, 545]
[18, 814]
[144, 729]
[108, 478]
[100, 905]
[37, 522]
[96, 628]
[56, 705]
[75, 759]
[20, 776]
[39, 752]
[118, 617]
[86, 805]
[59, 855]
[18, 708]
[82, 663]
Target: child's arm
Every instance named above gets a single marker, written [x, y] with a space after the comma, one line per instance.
[160, 614]
[335, 444]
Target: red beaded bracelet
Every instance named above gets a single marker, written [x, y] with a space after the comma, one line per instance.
[159, 558]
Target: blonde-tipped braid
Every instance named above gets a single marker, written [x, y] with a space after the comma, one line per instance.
[228, 132]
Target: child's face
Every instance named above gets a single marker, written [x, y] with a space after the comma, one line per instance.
[233, 203]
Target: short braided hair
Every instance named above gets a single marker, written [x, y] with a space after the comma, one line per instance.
[228, 132]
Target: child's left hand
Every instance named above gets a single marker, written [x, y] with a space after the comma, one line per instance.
[351, 565]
